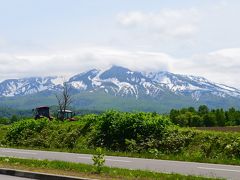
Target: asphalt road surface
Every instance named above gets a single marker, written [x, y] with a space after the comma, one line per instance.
[4, 177]
[180, 167]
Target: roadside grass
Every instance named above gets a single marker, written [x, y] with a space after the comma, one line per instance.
[185, 156]
[3, 131]
[84, 170]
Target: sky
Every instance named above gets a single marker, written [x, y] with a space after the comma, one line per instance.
[66, 37]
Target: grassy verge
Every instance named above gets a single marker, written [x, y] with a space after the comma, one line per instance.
[175, 157]
[3, 131]
[154, 137]
[178, 157]
[83, 170]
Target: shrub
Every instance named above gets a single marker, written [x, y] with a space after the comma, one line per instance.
[122, 131]
[113, 128]
[98, 160]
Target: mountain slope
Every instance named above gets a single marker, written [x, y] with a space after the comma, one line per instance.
[192, 85]
[25, 86]
[124, 82]
[121, 88]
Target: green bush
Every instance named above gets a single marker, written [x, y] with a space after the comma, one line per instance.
[127, 132]
[114, 128]
[22, 132]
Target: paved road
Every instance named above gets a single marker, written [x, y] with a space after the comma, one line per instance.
[188, 168]
[4, 177]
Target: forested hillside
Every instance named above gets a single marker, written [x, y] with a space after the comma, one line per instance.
[205, 117]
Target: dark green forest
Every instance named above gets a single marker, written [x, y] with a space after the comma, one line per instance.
[205, 117]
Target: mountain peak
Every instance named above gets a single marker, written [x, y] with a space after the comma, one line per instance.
[114, 72]
[121, 81]
[85, 75]
[118, 69]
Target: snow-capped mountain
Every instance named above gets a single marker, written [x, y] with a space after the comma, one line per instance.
[120, 81]
[26, 86]
[192, 85]
[117, 81]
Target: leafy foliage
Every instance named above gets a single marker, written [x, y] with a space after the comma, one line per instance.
[127, 132]
[98, 160]
[205, 117]
[114, 128]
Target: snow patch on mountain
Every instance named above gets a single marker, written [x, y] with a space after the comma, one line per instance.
[120, 81]
[25, 86]
[79, 85]
[192, 85]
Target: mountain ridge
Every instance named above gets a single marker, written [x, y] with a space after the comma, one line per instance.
[122, 82]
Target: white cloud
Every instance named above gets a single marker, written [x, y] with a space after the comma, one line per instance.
[2, 42]
[220, 66]
[75, 61]
[167, 23]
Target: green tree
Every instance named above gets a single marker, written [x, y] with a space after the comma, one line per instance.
[173, 114]
[202, 110]
[4, 120]
[197, 121]
[209, 120]
[191, 109]
[220, 117]
[237, 117]
[14, 118]
[231, 117]
[182, 120]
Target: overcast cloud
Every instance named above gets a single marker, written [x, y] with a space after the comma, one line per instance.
[221, 66]
[63, 38]
[168, 23]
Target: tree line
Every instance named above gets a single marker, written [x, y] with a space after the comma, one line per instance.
[203, 116]
[13, 119]
[10, 115]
